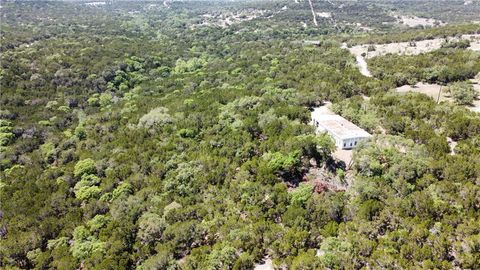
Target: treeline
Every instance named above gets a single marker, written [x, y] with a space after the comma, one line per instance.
[414, 34]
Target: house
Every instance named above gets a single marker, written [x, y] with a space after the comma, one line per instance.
[345, 134]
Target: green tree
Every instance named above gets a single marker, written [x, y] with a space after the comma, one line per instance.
[301, 194]
[306, 260]
[85, 166]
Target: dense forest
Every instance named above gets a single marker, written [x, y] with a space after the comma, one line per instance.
[176, 135]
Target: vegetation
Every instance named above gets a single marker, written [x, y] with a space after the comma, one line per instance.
[462, 92]
[138, 135]
[415, 34]
[441, 66]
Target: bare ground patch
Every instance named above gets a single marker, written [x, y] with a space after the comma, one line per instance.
[437, 93]
[411, 47]
[325, 178]
[266, 265]
[344, 155]
[414, 21]
[225, 20]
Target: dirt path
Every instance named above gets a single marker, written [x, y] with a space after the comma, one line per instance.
[330, 2]
[361, 63]
[313, 13]
[362, 66]
[322, 110]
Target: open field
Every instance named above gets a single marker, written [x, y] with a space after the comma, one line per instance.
[435, 91]
[410, 48]
[225, 20]
[414, 21]
[431, 90]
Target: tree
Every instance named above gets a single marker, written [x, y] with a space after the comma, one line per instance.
[244, 262]
[84, 244]
[150, 227]
[98, 222]
[87, 187]
[301, 195]
[222, 257]
[282, 163]
[85, 166]
[161, 260]
[156, 118]
[6, 135]
[335, 253]
[306, 260]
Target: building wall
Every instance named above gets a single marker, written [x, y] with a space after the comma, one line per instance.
[350, 142]
[341, 143]
[338, 142]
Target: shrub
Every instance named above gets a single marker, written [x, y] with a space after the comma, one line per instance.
[301, 195]
[86, 192]
[85, 166]
[462, 92]
[157, 117]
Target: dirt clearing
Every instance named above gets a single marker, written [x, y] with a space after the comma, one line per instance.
[344, 155]
[414, 21]
[411, 47]
[437, 92]
[266, 265]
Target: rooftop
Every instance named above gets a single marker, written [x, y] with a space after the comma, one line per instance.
[339, 126]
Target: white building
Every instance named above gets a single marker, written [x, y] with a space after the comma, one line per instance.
[95, 4]
[345, 134]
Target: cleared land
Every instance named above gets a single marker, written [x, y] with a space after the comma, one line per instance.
[344, 155]
[431, 90]
[436, 92]
[414, 21]
[225, 20]
[412, 47]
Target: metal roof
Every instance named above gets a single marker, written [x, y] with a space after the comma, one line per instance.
[339, 126]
